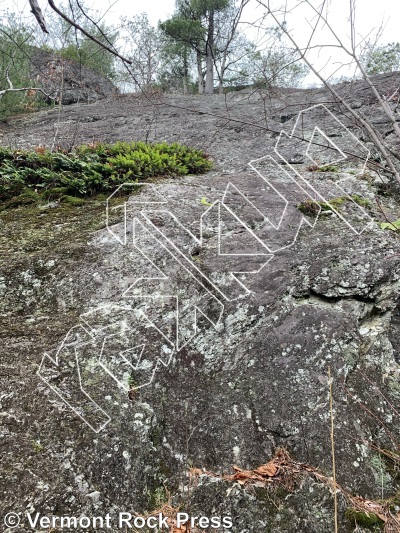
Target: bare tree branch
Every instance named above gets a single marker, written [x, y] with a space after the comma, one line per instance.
[21, 89]
[353, 54]
[37, 12]
[86, 33]
[361, 120]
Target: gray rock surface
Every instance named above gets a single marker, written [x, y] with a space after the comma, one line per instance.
[67, 80]
[281, 299]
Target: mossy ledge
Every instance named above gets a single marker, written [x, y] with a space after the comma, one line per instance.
[28, 177]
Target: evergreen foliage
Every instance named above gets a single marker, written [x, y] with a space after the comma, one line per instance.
[385, 58]
[93, 168]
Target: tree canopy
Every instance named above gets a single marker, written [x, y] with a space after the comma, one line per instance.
[385, 58]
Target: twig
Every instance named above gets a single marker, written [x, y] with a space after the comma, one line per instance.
[333, 451]
[37, 13]
[88, 34]
[4, 91]
[375, 387]
[361, 120]
[371, 414]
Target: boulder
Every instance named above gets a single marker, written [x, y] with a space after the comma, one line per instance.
[67, 80]
[287, 325]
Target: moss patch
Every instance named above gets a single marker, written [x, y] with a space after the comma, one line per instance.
[309, 207]
[313, 208]
[363, 202]
[324, 168]
[335, 203]
[370, 521]
[73, 200]
[26, 197]
[37, 229]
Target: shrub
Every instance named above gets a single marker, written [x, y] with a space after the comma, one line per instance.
[93, 168]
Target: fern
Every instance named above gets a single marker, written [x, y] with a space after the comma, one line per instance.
[94, 167]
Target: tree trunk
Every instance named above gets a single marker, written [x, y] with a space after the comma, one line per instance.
[200, 73]
[222, 74]
[149, 74]
[209, 87]
[185, 71]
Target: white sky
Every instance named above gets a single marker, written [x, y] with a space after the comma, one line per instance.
[370, 15]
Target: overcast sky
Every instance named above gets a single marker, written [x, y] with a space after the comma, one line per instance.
[370, 14]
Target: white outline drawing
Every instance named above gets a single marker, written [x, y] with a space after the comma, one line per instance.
[55, 362]
[142, 228]
[128, 364]
[304, 181]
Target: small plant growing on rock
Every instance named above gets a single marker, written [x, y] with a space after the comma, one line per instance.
[309, 207]
[334, 203]
[93, 168]
[393, 226]
[204, 201]
[363, 202]
[365, 519]
[323, 168]
[312, 208]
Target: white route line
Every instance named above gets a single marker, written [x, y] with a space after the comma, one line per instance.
[309, 185]
[55, 362]
[189, 266]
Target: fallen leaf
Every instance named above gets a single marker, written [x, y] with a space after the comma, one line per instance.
[270, 469]
[243, 474]
[195, 472]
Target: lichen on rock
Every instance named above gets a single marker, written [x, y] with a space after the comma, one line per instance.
[268, 304]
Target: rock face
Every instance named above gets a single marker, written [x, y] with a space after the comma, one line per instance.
[67, 80]
[200, 329]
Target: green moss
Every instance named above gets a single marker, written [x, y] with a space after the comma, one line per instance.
[363, 202]
[362, 518]
[55, 192]
[156, 497]
[309, 207]
[334, 203]
[393, 503]
[323, 168]
[27, 197]
[73, 200]
[29, 229]
[132, 382]
[328, 168]
[37, 446]
[313, 208]
[101, 197]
